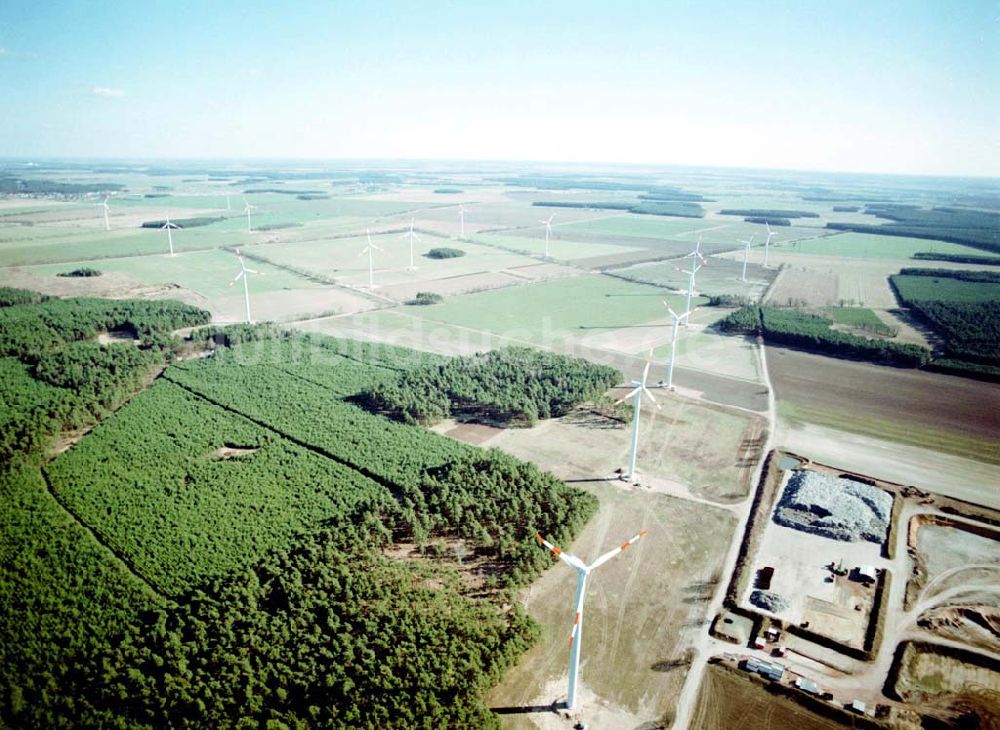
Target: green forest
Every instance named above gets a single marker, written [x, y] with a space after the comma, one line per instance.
[681, 208]
[488, 388]
[221, 549]
[976, 228]
[769, 213]
[964, 308]
[786, 326]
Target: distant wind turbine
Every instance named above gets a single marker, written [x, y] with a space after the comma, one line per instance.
[370, 249]
[746, 255]
[413, 237]
[246, 288]
[673, 343]
[637, 392]
[698, 261]
[582, 573]
[767, 243]
[548, 232]
[461, 217]
[168, 227]
[246, 209]
[107, 221]
[229, 206]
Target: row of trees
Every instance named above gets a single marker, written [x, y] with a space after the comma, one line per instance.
[680, 208]
[957, 258]
[510, 386]
[782, 326]
[769, 213]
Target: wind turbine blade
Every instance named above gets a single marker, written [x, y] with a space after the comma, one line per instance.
[251, 271]
[236, 278]
[611, 553]
[651, 398]
[628, 395]
[565, 557]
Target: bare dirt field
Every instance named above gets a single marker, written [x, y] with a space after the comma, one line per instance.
[941, 682]
[290, 304]
[805, 287]
[929, 410]
[642, 611]
[954, 476]
[727, 700]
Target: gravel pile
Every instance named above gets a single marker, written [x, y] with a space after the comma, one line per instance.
[769, 601]
[841, 509]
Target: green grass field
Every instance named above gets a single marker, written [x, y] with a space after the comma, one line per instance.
[561, 247]
[859, 317]
[945, 289]
[207, 272]
[555, 309]
[628, 224]
[867, 245]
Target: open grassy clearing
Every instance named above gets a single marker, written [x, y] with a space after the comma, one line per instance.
[207, 272]
[728, 700]
[719, 276]
[709, 351]
[687, 443]
[554, 310]
[642, 609]
[561, 246]
[341, 259]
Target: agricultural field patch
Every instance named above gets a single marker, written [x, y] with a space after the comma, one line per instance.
[887, 403]
[804, 287]
[868, 245]
[555, 310]
[719, 276]
[947, 682]
[561, 245]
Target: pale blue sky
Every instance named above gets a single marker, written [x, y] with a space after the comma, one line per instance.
[903, 87]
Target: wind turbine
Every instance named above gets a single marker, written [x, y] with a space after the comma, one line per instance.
[107, 221]
[370, 249]
[767, 243]
[461, 216]
[673, 343]
[168, 226]
[229, 206]
[413, 237]
[246, 289]
[582, 573]
[637, 393]
[548, 232]
[246, 209]
[696, 265]
[746, 255]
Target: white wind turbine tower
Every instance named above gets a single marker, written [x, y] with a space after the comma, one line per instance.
[746, 254]
[548, 232]
[767, 243]
[673, 343]
[246, 289]
[370, 249]
[229, 205]
[637, 392]
[107, 221]
[582, 573]
[246, 209]
[697, 262]
[461, 217]
[168, 227]
[413, 237]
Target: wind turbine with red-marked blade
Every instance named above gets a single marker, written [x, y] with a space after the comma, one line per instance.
[582, 572]
[244, 271]
[637, 392]
[548, 232]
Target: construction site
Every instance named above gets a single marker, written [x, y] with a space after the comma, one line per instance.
[870, 603]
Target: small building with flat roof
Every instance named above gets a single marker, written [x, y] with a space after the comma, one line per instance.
[733, 627]
[807, 685]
